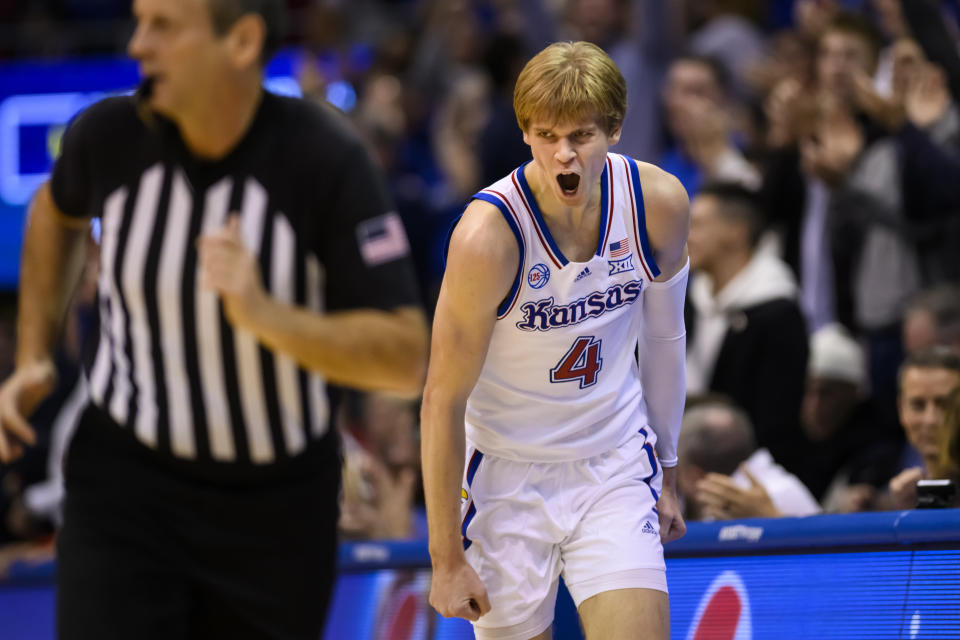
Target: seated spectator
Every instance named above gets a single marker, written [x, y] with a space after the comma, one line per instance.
[723, 475]
[926, 380]
[380, 471]
[855, 457]
[460, 120]
[746, 335]
[933, 319]
[698, 117]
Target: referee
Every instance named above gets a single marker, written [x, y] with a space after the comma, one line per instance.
[249, 256]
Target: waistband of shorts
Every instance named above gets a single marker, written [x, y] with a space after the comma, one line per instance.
[481, 444]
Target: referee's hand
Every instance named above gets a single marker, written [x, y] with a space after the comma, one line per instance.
[19, 396]
[232, 270]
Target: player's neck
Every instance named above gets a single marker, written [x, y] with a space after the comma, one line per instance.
[726, 269]
[217, 125]
[573, 228]
[556, 212]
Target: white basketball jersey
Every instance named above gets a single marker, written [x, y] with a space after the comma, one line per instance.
[561, 380]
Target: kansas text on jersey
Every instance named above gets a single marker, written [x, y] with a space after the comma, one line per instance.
[560, 380]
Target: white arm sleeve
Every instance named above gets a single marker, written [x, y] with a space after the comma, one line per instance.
[662, 361]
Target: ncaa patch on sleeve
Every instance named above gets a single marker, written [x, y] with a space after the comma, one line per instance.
[382, 239]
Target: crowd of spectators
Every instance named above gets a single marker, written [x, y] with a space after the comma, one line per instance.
[819, 141]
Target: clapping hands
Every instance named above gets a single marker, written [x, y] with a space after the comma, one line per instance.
[927, 98]
[831, 150]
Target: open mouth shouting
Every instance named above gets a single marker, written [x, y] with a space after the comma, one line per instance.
[569, 183]
[147, 84]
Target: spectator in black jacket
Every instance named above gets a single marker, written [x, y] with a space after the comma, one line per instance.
[846, 224]
[746, 334]
[835, 243]
[923, 118]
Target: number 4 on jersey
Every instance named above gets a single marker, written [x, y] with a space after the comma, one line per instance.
[581, 363]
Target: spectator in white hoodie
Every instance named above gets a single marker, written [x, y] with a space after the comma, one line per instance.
[746, 334]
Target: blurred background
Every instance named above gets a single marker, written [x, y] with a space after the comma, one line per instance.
[819, 141]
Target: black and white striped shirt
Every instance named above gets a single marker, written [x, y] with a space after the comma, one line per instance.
[167, 366]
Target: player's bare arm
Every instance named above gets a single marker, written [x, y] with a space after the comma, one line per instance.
[668, 218]
[668, 225]
[483, 261]
[363, 349]
[53, 254]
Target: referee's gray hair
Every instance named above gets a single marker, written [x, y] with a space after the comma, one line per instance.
[225, 13]
[716, 436]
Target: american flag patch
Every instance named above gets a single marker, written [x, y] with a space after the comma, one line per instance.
[382, 239]
[619, 248]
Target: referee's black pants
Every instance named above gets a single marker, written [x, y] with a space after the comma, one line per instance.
[146, 554]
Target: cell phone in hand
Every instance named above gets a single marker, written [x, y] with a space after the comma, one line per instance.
[936, 494]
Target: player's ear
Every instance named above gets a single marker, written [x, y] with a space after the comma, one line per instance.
[614, 136]
[246, 40]
[526, 138]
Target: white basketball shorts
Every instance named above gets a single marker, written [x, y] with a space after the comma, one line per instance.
[592, 520]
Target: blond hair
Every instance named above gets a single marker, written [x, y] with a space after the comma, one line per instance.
[948, 461]
[568, 82]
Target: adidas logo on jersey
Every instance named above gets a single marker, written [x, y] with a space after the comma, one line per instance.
[648, 528]
[583, 274]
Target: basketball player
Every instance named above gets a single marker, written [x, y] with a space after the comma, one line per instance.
[555, 274]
